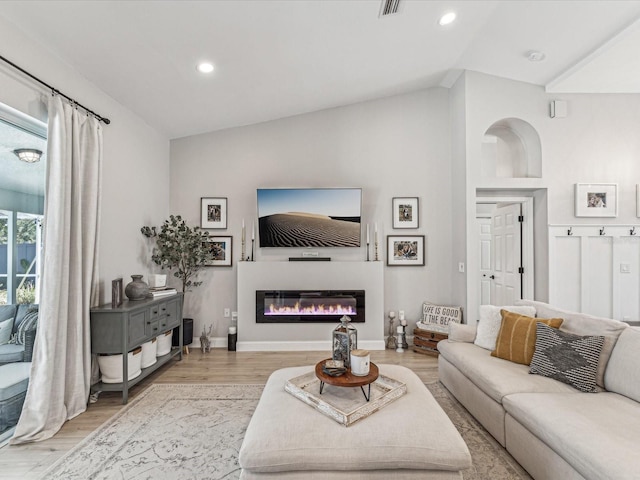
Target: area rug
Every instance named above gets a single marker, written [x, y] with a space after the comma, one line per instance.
[194, 432]
[490, 460]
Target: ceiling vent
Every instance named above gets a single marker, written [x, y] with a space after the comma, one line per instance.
[389, 7]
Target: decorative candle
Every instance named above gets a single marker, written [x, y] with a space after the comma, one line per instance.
[367, 233]
[232, 330]
[403, 322]
[243, 230]
[360, 362]
[401, 314]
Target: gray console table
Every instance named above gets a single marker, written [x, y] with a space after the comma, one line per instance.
[121, 329]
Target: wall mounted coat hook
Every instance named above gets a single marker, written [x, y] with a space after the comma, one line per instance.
[602, 231]
[632, 231]
[570, 231]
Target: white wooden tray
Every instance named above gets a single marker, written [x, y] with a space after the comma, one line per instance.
[345, 405]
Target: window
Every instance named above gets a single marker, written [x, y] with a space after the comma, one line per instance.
[21, 207]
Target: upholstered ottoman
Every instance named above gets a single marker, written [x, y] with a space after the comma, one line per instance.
[14, 380]
[409, 438]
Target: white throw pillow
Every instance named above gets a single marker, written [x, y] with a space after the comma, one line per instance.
[490, 321]
[5, 331]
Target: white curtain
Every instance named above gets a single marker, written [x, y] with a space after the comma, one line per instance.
[59, 385]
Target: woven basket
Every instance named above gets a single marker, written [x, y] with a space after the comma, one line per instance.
[149, 351]
[164, 343]
[111, 366]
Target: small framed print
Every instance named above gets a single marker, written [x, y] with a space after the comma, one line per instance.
[405, 250]
[221, 251]
[116, 293]
[405, 212]
[213, 212]
[596, 200]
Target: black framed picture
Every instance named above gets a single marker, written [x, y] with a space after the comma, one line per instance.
[221, 249]
[405, 212]
[213, 212]
[405, 250]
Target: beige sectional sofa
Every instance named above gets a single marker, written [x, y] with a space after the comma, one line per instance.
[552, 429]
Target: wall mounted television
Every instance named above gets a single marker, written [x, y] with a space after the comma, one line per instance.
[309, 217]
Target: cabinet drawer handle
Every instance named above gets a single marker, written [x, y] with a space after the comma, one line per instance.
[148, 323]
[432, 335]
[168, 314]
[155, 328]
[164, 309]
[164, 324]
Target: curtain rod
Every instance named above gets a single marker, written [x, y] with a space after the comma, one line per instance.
[55, 90]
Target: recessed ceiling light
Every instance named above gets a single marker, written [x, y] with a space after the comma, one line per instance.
[535, 56]
[447, 18]
[205, 67]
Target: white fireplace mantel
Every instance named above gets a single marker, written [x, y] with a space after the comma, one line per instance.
[310, 275]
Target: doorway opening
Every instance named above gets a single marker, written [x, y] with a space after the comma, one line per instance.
[504, 241]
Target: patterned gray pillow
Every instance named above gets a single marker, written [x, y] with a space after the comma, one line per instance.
[29, 322]
[568, 358]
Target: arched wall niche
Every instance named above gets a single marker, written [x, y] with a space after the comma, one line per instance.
[511, 149]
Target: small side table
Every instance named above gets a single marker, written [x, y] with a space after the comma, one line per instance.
[348, 379]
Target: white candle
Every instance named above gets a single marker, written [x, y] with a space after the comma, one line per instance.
[401, 314]
[243, 230]
[367, 233]
[375, 227]
[232, 330]
[253, 232]
[403, 322]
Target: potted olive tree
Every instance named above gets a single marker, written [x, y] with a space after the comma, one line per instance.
[181, 249]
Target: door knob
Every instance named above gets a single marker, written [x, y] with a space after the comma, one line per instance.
[492, 277]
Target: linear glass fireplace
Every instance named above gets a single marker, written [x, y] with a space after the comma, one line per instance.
[309, 306]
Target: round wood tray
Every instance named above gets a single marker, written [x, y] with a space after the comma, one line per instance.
[347, 379]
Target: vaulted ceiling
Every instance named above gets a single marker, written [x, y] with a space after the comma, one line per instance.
[276, 58]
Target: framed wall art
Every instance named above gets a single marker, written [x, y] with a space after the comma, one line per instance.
[405, 250]
[596, 200]
[213, 212]
[405, 212]
[116, 293]
[221, 250]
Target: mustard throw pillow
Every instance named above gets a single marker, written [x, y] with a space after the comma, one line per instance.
[517, 338]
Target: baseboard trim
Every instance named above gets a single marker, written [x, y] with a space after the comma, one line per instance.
[305, 346]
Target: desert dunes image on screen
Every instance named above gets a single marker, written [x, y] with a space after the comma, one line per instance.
[309, 217]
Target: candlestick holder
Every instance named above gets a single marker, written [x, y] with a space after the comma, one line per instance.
[405, 345]
[399, 349]
[243, 255]
[375, 257]
[367, 251]
[252, 246]
[391, 339]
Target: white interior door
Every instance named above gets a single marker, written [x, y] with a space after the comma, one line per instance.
[484, 234]
[506, 242]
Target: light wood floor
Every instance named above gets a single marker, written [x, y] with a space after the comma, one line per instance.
[27, 462]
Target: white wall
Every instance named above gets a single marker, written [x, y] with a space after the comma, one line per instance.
[397, 146]
[136, 157]
[596, 143]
